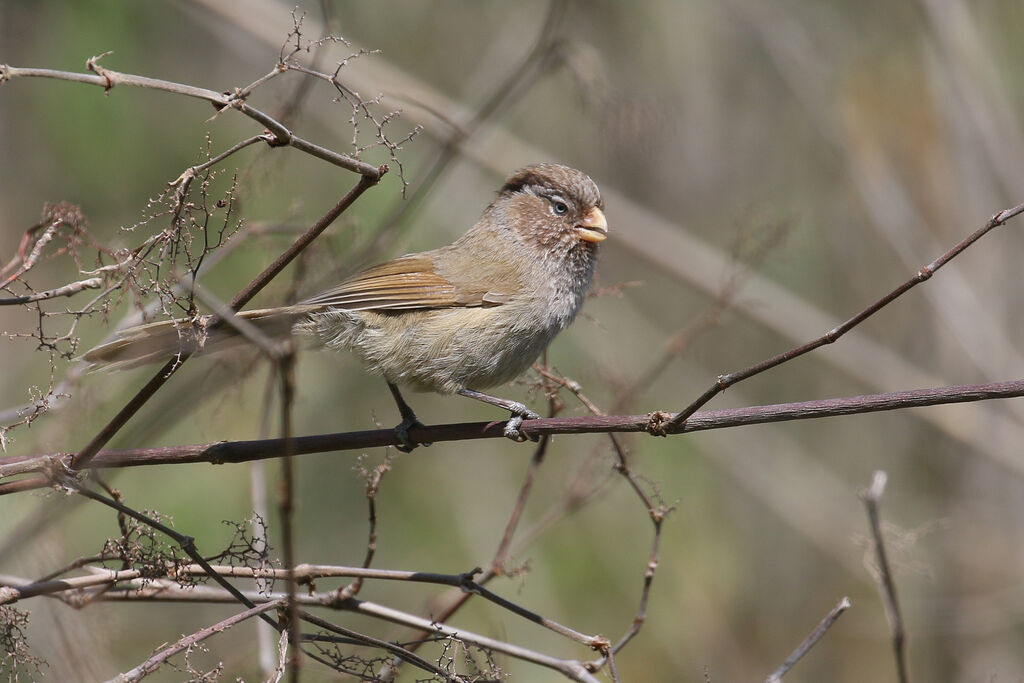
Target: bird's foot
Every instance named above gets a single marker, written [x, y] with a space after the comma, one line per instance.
[406, 444]
[409, 420]
[513, 428]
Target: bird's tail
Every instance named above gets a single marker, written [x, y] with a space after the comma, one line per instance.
[160, 341]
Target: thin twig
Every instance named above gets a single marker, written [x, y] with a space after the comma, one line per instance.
[270, 347]
[656, 511]
[154, 662]
[83, 457]
[187, 543]
[872, 498]
[810, 641]
[159, 591]
[66, 290]
[402, 653]
[373, 480]
[107, 79]
[286, 506]
[515, 84]
[12, 589]
[723, 382]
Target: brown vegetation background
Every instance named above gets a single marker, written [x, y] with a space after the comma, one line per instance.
[833, 147]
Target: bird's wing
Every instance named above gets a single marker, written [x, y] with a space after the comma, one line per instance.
[403, 284]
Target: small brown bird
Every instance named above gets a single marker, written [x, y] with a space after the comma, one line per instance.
[458, 319]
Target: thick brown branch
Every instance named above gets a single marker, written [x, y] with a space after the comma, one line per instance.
[245, 451]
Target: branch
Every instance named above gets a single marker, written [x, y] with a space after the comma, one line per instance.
[810, 641]
[160, 590]
[187, 543]
[107, 79]
[872, 497]
[725, 381]
[13, 589]
[154, 662]
[83, 458]
[397, 650]
[66, 290]
[245, 451]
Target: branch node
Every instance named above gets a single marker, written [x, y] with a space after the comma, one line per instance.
[601, 644]
[656, 423]
[467, 582]
[216, 452]
[273, 140]
[58, 470]
[232, 98]
[92, 64]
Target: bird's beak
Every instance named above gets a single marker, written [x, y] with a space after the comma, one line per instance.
[593, 227]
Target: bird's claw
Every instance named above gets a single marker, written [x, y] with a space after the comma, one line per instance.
[406, 444]
[515, 422]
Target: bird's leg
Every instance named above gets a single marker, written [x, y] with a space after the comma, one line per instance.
[518, 410]
[409, 419]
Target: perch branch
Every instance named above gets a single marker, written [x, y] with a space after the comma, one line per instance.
[245, 451]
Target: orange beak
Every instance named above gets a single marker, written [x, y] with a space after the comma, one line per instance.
[593, 227]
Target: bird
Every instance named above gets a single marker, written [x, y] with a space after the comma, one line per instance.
[454, 320]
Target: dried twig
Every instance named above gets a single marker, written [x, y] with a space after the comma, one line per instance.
[872, 497]
[725, 381]
[83, 457]
[810, 641]
[107, 79]
[154, 662]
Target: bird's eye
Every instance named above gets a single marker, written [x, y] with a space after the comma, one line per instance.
[559, 208]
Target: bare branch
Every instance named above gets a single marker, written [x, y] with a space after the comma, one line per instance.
[187, 543]
[872, 498]
[82, 459]
[107, 79]
[810, 641]
[245, 451]
[402, 653]
[66, 290]
[725, 381]
[154, 662]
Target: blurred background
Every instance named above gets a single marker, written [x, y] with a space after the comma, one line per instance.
[793, 160]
